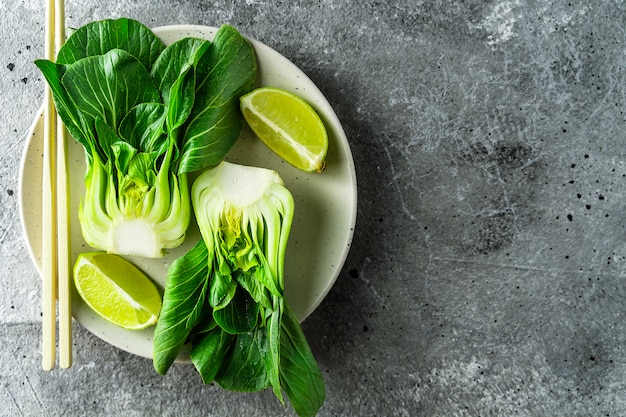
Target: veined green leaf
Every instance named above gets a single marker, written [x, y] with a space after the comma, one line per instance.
[253, 283]
[106, 136]
[205, 325]
[272, 356]
[108, 86]
[300, 375]
[181, 98]
[100, 37]
[240, 315]
[144, 127]
[243, 369]
[174, 73]
[224, 72]
[244, 215]
[67, 110]
[222, 289]
[123, 153]
[174, 61]
[183, 300]
[208, 351]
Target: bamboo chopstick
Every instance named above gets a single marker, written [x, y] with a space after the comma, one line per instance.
[63, 218]
[48, 211]
[55, 213]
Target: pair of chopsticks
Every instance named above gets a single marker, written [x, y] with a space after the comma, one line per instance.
[55, 213]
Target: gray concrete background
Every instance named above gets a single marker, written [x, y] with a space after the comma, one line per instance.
[488, 271]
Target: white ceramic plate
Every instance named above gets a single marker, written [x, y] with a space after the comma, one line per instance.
[325, 203]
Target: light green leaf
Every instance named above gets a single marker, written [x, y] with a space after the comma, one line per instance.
[141, 168]
[123, 153]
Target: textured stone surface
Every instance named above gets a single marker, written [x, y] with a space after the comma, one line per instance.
[487, 275]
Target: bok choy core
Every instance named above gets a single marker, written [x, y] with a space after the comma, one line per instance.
[147, 115]
[225, 295]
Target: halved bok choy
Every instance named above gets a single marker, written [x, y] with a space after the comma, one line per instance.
[147, 116]
[225, 296]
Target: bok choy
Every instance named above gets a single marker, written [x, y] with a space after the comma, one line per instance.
[225, 296]
[147, 115]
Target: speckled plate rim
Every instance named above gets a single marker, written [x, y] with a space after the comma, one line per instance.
[326, 203]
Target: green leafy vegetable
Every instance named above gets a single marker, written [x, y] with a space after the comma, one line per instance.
[183, 304]
[147, 116]
[299, 374]
[251, 339]
[97, 38]
[215, 121]
[209, 350]
[244, 369]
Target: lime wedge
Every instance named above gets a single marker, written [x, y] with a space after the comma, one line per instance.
[288, 125]
[117, 290]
